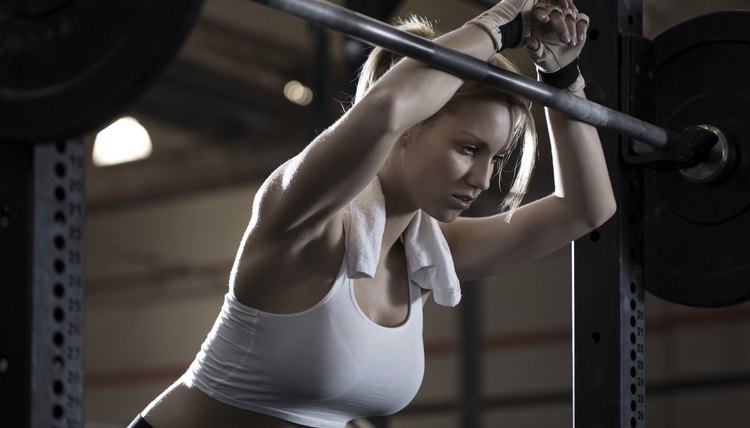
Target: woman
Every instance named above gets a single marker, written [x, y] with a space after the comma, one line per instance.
[323, 320]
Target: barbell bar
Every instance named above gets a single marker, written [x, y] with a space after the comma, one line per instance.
[689, 148]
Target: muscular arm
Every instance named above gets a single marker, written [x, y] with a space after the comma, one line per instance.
[582, 201]
[305, 192]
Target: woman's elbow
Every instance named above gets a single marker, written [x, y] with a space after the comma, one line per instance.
[381, 106]
[600, 212]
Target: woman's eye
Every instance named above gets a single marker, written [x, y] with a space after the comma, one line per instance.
[468, 150]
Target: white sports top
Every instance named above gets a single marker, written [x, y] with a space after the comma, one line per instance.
[330, 364]
[321, 368]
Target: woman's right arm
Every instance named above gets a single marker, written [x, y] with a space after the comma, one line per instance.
[301, 195]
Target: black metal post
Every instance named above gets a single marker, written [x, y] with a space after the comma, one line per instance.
[41, 308]
[471, 363]
[373, 31]
[608, 300]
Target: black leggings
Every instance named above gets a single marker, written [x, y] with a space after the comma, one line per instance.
[139, 422]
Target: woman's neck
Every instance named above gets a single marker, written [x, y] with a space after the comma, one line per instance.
[398, 213]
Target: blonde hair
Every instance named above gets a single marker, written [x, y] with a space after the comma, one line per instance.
[523, 129]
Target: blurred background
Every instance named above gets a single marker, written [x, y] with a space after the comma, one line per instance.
[248, 90]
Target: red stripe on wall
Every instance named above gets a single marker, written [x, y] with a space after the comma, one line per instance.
[447, 347]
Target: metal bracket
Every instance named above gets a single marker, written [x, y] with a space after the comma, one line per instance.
[692, 148]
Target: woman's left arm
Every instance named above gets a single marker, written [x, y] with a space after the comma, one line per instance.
[582, 201]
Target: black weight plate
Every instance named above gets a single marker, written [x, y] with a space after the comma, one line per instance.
[69, 66]
[696, 234]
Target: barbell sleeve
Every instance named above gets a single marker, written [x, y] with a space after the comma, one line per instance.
[375, 32]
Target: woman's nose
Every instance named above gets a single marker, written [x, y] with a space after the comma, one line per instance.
[479, 176]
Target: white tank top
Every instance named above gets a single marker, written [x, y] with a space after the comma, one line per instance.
[330, 364]
[321, 367]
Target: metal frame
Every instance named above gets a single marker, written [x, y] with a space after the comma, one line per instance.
[41, 257]
[608, 297]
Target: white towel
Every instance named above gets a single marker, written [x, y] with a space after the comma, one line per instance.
[428, 256]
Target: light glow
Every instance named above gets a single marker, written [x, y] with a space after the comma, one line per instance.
[126, 140]
[298, 93]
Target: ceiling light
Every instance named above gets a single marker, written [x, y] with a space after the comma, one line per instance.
[298, 93]
[126, 140]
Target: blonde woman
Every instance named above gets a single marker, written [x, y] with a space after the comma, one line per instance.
[322, 322]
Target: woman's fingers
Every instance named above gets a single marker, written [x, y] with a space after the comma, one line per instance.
[582, 26]
[570, 22]
[557, 19]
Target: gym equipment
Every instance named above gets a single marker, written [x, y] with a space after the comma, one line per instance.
[69, 67]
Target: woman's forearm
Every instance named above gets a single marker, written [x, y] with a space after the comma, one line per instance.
[580, 170]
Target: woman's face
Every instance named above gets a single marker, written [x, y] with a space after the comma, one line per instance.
[450, 161]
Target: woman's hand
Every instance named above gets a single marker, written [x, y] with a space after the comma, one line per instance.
[558, 33]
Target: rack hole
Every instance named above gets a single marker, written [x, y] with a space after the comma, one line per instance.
[58, 364]
[60, 169]
[58, 387]
[59, 314]
[57, 411]
[59, 290]
[59, 194]
[632, 321]
[593, 35]
[58, 338]
[4, 364]
[59, 266]
[632, 355]
[632, 338]
[4, 216]
[594, 236]
[596, 337]
[60, 147]
[59, 242]
[59, 218]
